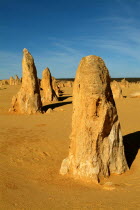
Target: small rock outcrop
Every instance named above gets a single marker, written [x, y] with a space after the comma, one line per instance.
[116, 90]
[61, 84]
[17, 80]
[124, 83]
[28, 98]
[69, 84]
[4, 82]
[48, 93]
[55, 86]
[135, 94]
[11, 81]
[96, 148]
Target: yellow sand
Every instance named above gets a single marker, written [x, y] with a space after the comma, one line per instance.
[32, 148]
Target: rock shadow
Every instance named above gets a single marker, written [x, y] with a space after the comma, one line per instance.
[53, 106]
[62, 98]
[131, 146]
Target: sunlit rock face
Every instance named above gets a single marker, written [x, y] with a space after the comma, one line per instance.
[28, 98]
[11, 81]
[116, 90]
[49, 93]
[96, 148]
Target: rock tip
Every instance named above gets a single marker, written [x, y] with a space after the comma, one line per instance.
[89, 57]
[25, 50]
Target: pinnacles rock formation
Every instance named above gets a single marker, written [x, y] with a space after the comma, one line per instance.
[14, 81]
[124, 83]
[11, 81]
[96, 148]
[46, 84]
[17, 80]
[55, 86]
[116, 90]
[4, 82]
[68, 84]
[28, 98]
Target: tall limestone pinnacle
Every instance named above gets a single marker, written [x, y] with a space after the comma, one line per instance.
[28, 99]
[96, 148]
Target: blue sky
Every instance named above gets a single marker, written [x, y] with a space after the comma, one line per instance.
[58, 33]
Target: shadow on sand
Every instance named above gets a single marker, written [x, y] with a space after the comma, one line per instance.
[62, 98]
[131, 146]
[53, 106]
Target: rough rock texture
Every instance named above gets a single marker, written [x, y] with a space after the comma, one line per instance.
[96, 148]
[28, 98]
[116, 90]
[11, 81]
[46, 84]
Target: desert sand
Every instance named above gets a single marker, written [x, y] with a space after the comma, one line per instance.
[32, 148]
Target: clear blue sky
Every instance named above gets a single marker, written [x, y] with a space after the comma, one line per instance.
[58, 33]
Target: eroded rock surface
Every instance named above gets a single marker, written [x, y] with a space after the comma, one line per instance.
[28, 98]
[96, 148]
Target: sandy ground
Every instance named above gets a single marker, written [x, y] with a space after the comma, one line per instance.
[32, 148]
